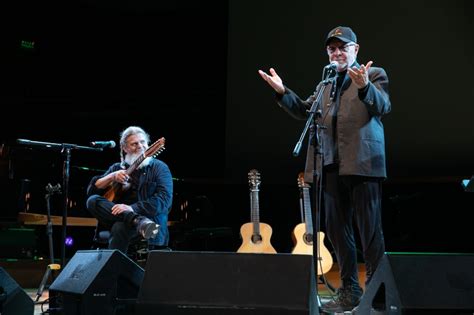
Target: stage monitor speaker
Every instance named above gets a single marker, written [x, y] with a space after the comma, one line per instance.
[13, 299]
[421, 283]
[225, 283]
[98, 282]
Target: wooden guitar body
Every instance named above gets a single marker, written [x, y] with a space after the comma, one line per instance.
[303, 233]
[256, 244]
[255, 235]
[304, 247]
[303, 241]
[113, 192]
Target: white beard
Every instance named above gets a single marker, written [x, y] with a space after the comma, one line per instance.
[130, 158]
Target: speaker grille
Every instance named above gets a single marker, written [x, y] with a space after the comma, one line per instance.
[97, 282]
[220, 282]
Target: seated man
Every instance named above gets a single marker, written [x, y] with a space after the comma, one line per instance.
[133, 203]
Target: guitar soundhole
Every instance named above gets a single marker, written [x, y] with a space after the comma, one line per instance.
[256, 238]
[308, 238]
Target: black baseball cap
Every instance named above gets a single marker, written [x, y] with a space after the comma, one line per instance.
[343, 33]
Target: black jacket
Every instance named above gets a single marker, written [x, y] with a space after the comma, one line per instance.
[354, 134]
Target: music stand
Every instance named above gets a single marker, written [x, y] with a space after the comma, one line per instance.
[65, 149]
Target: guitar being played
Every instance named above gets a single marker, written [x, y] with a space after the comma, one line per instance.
[122, 183]
[303, 233]
[255, 235]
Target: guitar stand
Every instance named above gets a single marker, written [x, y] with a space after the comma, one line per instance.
[322, 280]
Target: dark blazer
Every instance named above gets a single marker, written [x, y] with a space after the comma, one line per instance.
[359, 129]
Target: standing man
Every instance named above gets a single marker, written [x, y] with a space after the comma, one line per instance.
[353, 157]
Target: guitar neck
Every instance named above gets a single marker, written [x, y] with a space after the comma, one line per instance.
[255, 211]
[135, 164]
[308, 220]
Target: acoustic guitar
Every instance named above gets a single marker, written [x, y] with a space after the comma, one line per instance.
[116, 189]
[303, 233]
[255, 235]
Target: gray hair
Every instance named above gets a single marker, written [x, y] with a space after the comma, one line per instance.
[132, 130]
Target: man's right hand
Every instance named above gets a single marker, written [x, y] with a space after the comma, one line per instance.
[121, 176]
[273, 80]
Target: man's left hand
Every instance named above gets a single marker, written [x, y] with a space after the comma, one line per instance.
[360, 76]
[120, 207]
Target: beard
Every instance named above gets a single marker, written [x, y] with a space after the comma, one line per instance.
[131, 157]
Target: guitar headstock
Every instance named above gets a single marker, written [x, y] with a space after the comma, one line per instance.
[301, 182]
[254, 179]
[156, 148]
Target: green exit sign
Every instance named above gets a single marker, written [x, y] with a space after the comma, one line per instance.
[27, 44]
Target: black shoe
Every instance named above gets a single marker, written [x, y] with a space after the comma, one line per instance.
[146, 227]
[346, 299]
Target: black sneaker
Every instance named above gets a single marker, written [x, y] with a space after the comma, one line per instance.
[146, 227]
[346, 299]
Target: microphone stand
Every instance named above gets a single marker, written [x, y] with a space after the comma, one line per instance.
[65, 149]
[49, 231]
[315, 112]
[327, 78]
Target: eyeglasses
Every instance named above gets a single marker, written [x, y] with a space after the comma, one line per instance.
[343, 48]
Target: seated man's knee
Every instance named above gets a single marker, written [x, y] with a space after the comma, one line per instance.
[92, 202]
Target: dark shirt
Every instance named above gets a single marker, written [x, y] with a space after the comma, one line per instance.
[335, 99]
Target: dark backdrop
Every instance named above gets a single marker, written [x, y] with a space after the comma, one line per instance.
[425, 48]
[187, 70]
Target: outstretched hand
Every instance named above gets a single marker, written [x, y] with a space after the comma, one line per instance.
[360, 76]
[273, 80]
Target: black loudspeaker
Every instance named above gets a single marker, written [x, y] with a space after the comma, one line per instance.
[98, 282]
[224, 283]
[431, 283]
[13, 299]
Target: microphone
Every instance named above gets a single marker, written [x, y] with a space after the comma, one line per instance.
[103, 144]
[333, 65]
